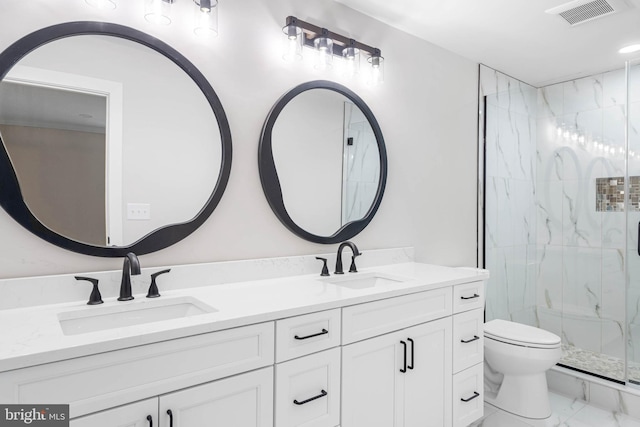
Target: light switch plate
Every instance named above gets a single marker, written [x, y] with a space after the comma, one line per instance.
[138, 211]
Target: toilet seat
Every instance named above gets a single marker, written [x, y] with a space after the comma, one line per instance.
[520, 335]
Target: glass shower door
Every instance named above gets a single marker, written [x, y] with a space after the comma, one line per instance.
[633, 222]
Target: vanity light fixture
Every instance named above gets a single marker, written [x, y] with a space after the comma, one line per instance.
[206, 18]
[293, 41]
[158, 11]
[351, 56]
[102, 4]
[328, 44]
[377, 68]
[324, 50]
[630, 49]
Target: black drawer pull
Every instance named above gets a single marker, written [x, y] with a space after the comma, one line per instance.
[322, 394]
[475, 338]
[471, 297]
[150, 419]
[324, 332]
[170, 417]
[404, 369]
[412, 358]
[475, 394]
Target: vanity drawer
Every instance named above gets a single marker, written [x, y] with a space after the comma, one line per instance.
[468, 296]
[379, 317]
[468, 339]
[468, 396]
[93, 383]
[310, 333]
[308, 391]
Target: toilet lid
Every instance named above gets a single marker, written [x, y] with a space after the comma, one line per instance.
[519, 334]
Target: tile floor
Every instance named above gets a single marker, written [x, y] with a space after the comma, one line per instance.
[567, 412]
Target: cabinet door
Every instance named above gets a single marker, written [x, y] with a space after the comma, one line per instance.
[242, 401]
[428, 380]
[380, 389]
[370, 376]
[139, 414]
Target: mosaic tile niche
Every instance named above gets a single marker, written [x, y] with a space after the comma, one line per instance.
[610, 194]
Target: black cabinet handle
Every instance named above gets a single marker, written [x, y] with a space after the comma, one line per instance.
[475, 394]
[404, 369]
[322, 394]
[324, 332]
[170, 417]
[412, 358]
[638, 238]
[150, 419]
[475, 338]
[471, 297]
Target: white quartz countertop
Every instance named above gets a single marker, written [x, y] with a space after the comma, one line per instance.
[33, 336]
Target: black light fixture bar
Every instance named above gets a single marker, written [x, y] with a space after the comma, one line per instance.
[311, 32]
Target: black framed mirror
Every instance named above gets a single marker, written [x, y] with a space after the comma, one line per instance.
[322, 162]
[117, 130]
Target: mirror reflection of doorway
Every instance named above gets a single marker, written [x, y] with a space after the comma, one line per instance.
[54, 135]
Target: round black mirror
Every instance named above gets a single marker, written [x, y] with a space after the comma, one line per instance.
[323, 162]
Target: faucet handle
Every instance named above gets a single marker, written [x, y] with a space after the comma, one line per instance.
[325, 269]
[153, 288]
[95, 297]
[352, 268]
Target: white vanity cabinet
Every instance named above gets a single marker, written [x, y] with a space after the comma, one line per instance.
[244, 400]
[404, 364]
[397, 357]
[399, 379]
[468, 353]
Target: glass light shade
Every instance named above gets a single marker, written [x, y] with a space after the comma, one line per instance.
[324, 49]
[102, 4]
[158, 11]
[376, 73]
[292, 45]
[205, 18]
[351, 61]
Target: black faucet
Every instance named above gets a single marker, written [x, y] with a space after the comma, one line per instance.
[131, 266]
[356, 253]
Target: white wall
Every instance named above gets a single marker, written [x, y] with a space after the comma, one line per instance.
[427, 109]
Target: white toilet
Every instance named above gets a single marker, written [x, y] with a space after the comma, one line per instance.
[517, 357]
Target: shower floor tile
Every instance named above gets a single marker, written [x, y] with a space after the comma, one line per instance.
[566, 412]
[597, 363]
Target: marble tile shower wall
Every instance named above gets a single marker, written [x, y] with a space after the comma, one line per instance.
[556, 261]
[510, 191]
[581, 282]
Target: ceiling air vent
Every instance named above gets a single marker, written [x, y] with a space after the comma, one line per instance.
[581, 11]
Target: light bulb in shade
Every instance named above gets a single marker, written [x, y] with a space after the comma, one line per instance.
[102, 4]
[630, 49]
[351, 61]
[376, 73]
[293, 40]
[324, 49]
[205, 18]
[158, 11]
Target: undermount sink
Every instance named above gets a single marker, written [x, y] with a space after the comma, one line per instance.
[364, 280]
[130, 314]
